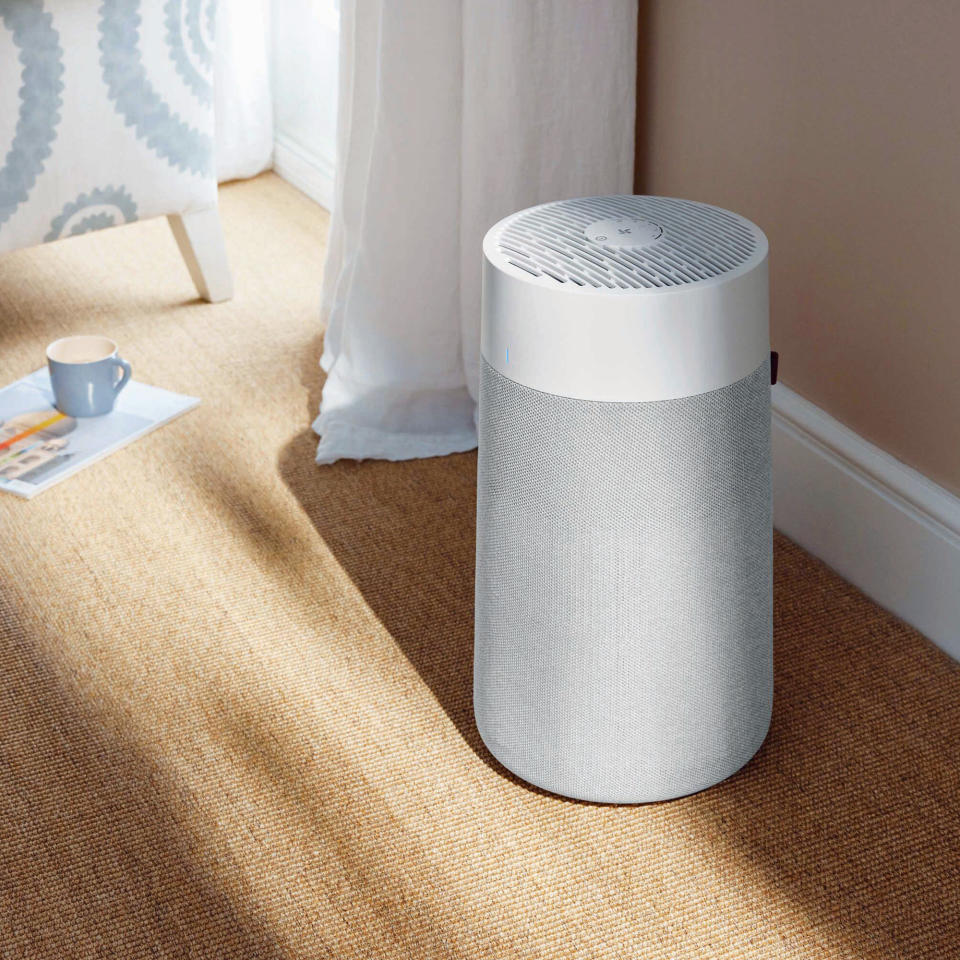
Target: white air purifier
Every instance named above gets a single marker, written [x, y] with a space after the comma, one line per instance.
[623, 647]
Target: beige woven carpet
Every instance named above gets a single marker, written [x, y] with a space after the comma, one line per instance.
[235, 710]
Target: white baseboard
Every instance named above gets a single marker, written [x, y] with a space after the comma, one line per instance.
[306, 170]
[880, 524]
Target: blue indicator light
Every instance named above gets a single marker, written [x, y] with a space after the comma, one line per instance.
[508, 354]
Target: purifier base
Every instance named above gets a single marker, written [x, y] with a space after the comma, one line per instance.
[596, 794]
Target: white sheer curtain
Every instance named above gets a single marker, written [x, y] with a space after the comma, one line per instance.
[452, 115]
[242, 96]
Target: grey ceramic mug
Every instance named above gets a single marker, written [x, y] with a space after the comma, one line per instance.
[86, 375]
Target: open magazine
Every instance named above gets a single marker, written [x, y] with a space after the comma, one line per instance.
[39, 446]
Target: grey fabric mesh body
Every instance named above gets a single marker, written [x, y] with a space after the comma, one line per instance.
[624, 588]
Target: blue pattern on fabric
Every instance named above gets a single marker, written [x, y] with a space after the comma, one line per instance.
[116, 197]
[40, 101]
[200, 84]
[137, 101]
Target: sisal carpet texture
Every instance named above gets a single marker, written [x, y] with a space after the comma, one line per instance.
[235, 687]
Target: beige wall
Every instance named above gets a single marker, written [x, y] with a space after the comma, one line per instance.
[835, 125]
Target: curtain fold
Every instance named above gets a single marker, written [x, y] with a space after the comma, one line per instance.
[451, 116]
[243, 102]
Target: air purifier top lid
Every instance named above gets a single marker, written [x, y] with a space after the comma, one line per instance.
[625, 298]
[625, 243]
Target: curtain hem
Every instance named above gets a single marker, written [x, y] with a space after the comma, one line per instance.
[342, 440]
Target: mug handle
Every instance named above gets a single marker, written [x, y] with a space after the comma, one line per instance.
[125, 378]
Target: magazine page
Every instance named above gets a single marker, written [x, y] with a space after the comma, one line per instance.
[39, 446]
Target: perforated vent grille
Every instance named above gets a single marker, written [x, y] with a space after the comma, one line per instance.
[698, 242]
